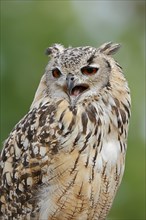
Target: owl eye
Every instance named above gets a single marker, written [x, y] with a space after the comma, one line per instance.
[88, 70]
[56, 73]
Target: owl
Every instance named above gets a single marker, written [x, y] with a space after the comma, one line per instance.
[65, 158]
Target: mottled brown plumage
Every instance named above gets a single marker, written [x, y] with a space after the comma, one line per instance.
[65, 159]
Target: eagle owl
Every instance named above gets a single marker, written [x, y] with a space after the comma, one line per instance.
[65, 158]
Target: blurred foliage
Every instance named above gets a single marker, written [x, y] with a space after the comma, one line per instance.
[28, 27]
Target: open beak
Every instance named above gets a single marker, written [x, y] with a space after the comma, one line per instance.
[75, 89]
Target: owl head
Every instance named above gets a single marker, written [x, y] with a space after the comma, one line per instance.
[77, 73]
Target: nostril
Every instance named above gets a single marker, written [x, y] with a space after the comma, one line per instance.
[70, 77]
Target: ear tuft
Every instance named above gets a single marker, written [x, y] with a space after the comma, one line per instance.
[109, 48]
[54, 50]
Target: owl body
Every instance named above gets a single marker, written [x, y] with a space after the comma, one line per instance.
[65, 159]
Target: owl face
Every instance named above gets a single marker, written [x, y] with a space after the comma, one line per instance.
[76, 73]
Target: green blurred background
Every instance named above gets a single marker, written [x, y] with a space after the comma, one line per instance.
[29, 27]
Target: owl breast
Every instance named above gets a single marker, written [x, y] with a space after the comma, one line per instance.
[83, 177]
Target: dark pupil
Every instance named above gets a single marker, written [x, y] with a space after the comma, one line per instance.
[57, 72]
[89, 70]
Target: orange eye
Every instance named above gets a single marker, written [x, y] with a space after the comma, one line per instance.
[56, 73]
[88, 70]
